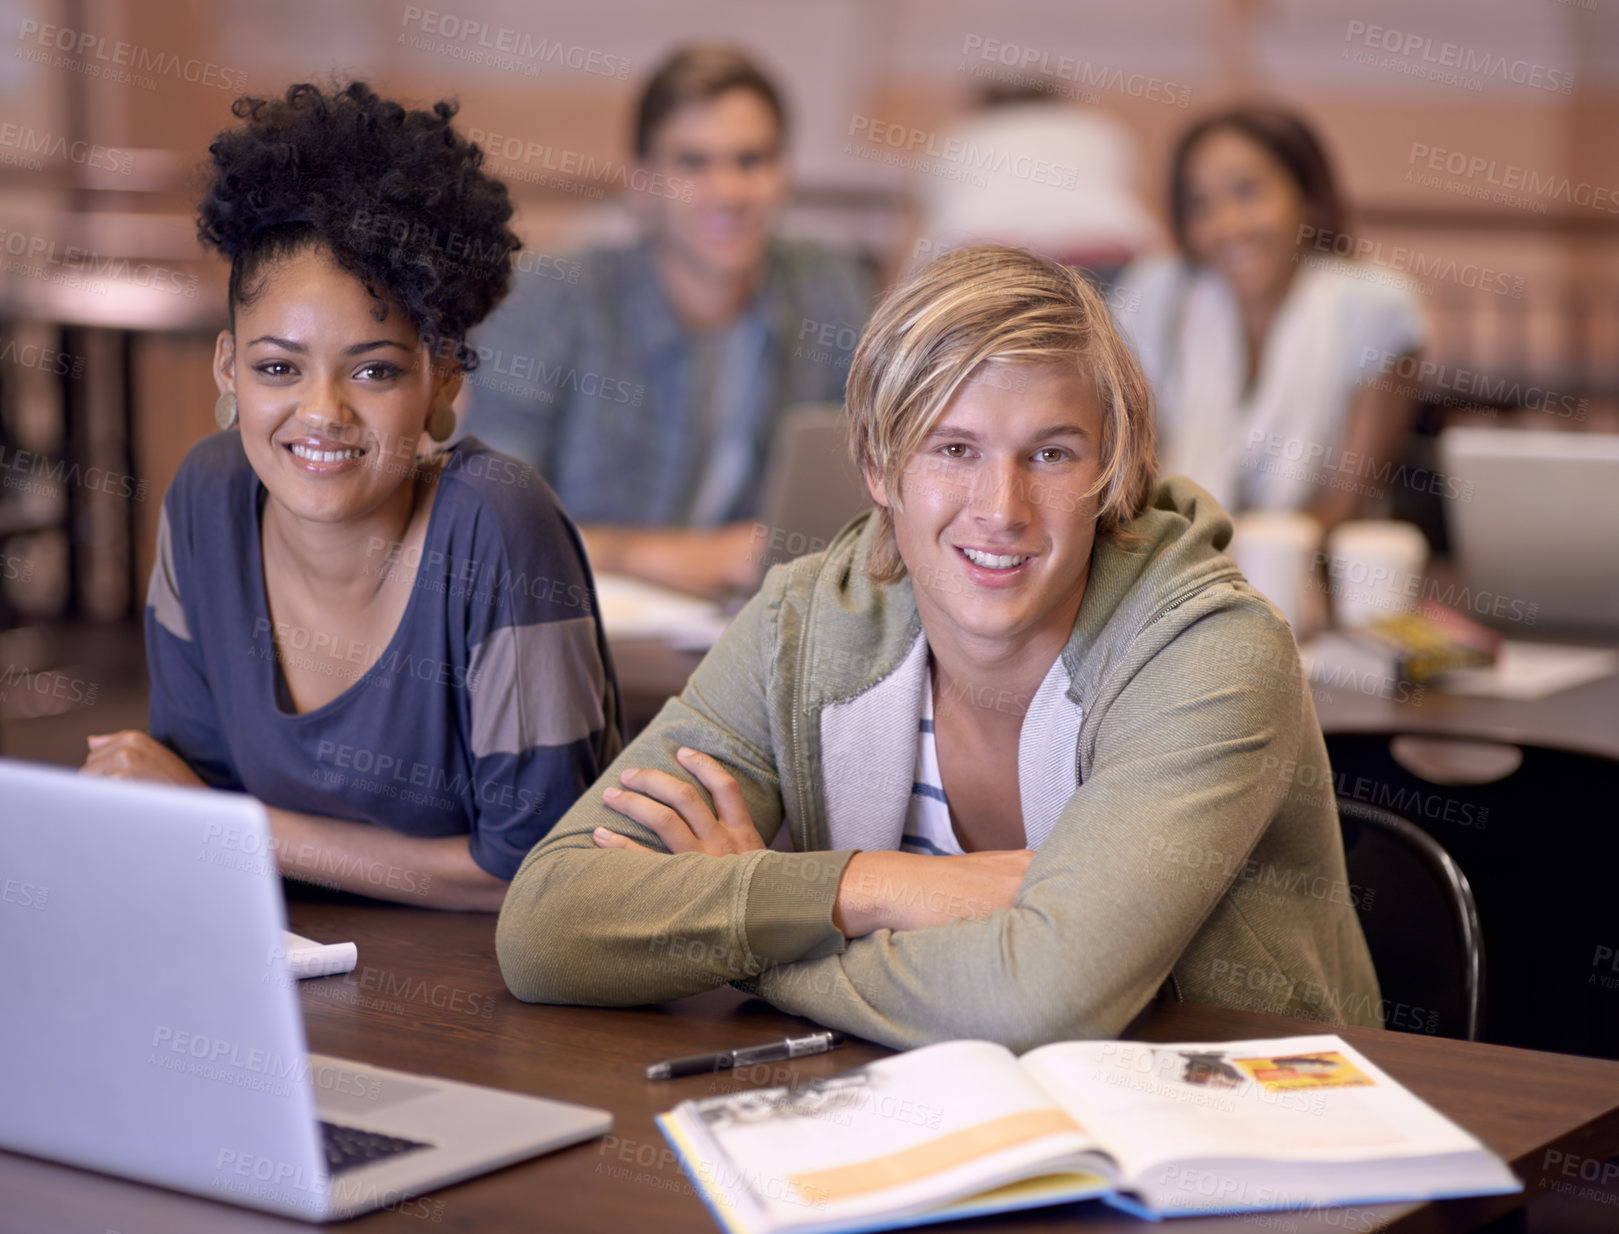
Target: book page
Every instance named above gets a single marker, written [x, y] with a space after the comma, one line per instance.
[1290, 1099]
[903, 1134]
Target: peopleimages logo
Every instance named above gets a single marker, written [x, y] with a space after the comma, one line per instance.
[45, 359]
[968, 157]
[1428, 376]
[28, 140]
[86, 52]
[531, 377]
[1401, 260]
[1421, 49]
[87, 262]
[1427, 162]
[1038, 64]
[527, 157]
[503, 47]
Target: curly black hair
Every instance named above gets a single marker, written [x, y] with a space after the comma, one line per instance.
[396, 196]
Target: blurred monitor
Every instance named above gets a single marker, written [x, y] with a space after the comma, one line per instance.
[1534, 517]
[811, 484]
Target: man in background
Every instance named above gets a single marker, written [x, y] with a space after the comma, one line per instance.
[645, 382]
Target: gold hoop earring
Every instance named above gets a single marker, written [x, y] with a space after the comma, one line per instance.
[225, 410]
[441, 423]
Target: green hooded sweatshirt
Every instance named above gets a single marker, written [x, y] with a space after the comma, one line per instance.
[1174, 785]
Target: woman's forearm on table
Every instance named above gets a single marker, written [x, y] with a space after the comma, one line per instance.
[431, 871]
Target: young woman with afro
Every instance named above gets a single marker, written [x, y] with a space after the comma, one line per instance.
[393, 647]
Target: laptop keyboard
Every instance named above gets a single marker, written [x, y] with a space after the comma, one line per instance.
[348, 1147]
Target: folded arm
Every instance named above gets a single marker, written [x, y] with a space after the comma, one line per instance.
[619, 926]
[1189, 755]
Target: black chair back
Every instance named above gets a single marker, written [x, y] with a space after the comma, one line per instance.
[1420, 921]
[1540, 850]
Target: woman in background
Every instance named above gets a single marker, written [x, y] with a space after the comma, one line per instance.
[397, 654]
[1267, 353]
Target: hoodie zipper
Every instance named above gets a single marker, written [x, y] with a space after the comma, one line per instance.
[1174, 602]
[1180, 598]
[800, 691]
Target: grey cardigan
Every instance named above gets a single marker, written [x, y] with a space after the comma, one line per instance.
[1171, 770]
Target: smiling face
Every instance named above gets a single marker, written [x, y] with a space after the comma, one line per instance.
[727, 152]
[997, 532]
[332, 402]
[1243, 213]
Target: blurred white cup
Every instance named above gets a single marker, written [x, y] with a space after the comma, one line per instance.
[1276, 550]
[1374, 567]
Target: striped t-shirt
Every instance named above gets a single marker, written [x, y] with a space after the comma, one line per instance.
[927, 823]
[491, 708]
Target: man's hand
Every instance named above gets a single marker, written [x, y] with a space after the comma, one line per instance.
[911, 891]
[677, 813]
[133, 755]
[705, 561]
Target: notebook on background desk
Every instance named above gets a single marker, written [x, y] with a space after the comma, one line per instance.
[153, 1029]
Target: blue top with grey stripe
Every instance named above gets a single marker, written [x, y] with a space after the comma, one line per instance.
[489, 711]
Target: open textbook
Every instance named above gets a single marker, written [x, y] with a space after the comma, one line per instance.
[967, 1127]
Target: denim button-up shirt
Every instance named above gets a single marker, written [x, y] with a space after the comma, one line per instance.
[587, 374]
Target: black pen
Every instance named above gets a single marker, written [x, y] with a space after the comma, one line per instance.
[787, 1047]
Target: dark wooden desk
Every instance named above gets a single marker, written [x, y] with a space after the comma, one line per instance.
[1584, 718]
[427, 996]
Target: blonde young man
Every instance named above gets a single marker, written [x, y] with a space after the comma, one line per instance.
[1034, 738]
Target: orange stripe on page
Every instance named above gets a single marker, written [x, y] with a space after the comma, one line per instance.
[934, 1157]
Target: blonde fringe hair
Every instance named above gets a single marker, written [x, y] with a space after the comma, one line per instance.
[970, 306]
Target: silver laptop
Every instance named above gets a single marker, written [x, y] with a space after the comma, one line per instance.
[151, 1029]
[1534, 520]
[811, 486]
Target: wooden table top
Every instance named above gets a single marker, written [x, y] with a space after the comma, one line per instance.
[427, 997]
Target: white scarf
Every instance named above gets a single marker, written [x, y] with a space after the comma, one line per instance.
[1261, 448]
